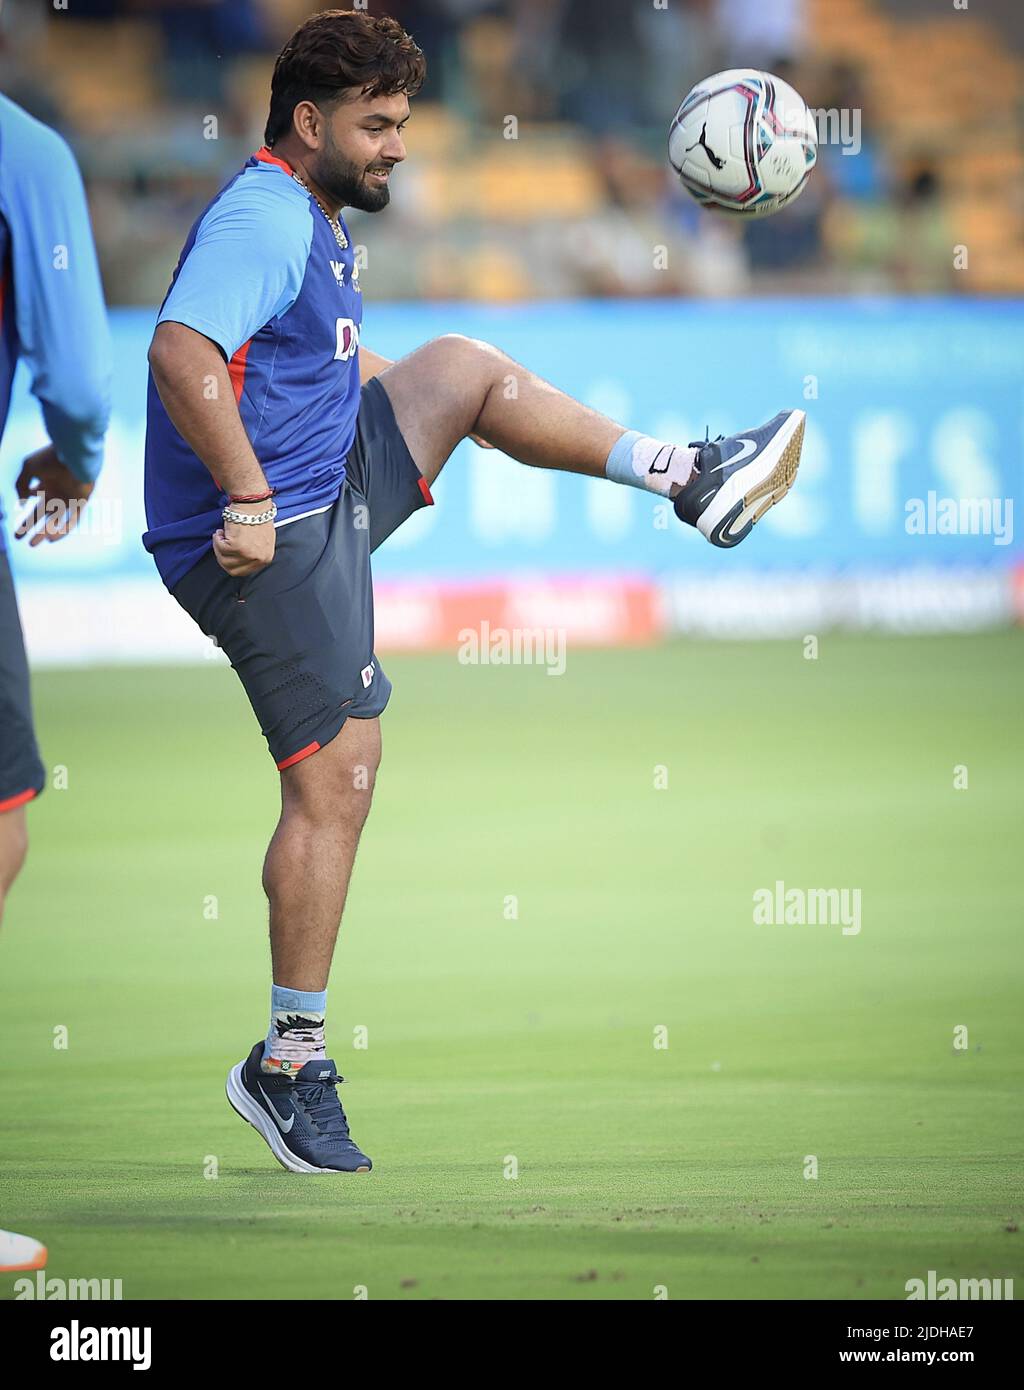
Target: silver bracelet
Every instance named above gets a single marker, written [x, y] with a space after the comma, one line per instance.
[250, 519]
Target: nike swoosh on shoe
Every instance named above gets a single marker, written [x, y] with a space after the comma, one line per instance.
[284, 1128]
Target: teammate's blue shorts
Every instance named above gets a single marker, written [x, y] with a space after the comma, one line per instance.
[300, 632]
[22, 775]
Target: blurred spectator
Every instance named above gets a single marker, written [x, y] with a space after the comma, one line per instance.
[905, 238]
[758, 33]
[602, 61]
[677, 49]
[198, 35]
[858, 170]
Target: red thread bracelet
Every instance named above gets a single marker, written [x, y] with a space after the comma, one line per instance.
[256, 497]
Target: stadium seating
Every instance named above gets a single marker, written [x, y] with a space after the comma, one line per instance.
[945, 155]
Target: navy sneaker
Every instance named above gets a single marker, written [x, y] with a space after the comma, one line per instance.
[739, 478]
[301, 1119]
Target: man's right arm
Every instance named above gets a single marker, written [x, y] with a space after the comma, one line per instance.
[194, 385]
[245, 268]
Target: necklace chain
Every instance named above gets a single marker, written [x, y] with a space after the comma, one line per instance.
[332, 222]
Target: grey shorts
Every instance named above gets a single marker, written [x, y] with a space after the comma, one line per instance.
[22, 775]
[300, 632]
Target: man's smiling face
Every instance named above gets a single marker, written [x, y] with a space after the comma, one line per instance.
[361, 144]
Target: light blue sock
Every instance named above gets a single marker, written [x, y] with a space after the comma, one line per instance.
[282, 998]
[296, 1034]
[619, 466]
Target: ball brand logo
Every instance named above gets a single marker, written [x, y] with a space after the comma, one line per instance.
[702, 141]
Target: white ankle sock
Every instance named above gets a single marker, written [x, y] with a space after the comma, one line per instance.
[638, 460]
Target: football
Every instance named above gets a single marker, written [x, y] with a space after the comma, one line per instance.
[743, 142]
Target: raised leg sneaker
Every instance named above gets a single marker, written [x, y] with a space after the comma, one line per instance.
[737, 479]
[302, 1119]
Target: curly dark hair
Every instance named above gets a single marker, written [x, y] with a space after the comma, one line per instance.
[340, 51]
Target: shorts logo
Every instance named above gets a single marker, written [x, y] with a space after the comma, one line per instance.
[367, 675]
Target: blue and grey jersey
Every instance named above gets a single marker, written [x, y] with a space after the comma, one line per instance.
[263, 276]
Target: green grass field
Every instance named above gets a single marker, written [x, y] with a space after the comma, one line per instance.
[638, 1166]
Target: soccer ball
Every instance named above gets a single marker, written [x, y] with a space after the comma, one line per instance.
[744, 142]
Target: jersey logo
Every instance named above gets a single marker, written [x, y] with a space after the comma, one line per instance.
[348, 340]
[353, 277]
[367, 675]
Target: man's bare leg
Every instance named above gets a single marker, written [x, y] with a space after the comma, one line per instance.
[325, 800]
[13, 849]
[454, 386]
[287, 1088]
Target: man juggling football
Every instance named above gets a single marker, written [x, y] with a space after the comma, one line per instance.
[280, 453]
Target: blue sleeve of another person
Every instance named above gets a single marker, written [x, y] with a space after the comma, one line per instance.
[247, 263]
[61, 320]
